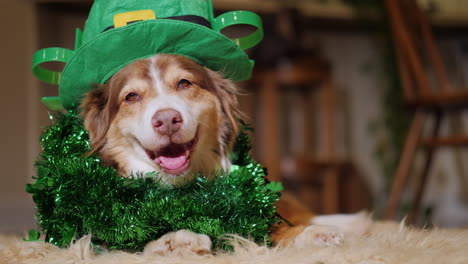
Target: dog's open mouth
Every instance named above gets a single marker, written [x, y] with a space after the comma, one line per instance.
[174, 158]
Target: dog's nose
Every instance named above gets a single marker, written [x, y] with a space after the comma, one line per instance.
[167, 121]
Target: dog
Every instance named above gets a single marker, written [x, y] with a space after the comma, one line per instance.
[174, 116]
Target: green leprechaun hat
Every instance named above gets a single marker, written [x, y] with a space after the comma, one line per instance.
[119, 32]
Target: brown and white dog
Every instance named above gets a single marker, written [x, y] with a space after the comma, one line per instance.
[171, 115]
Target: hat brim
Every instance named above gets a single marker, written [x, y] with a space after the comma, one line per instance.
[100, 58]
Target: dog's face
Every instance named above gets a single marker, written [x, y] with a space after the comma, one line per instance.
[166, 114]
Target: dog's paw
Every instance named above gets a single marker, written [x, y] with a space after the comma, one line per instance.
[182, 242]
[319, 235]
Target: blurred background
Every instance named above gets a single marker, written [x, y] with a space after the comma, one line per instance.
[338, 86]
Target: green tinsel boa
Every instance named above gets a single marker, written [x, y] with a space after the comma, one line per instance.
[75, 196]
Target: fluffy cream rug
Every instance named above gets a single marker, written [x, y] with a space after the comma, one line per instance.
[386, 242]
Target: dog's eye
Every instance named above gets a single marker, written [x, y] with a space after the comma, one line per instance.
[132, 97]
[184, 84]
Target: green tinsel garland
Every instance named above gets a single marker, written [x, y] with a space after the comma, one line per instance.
[75, 196]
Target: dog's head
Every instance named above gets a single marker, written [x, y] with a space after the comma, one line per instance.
[166, 114]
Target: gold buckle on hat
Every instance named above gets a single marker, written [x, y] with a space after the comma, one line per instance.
[123, 19]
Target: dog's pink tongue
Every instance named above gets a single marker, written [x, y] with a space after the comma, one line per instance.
[172, 163]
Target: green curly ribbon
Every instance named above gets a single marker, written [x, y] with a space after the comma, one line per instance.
[75, 196]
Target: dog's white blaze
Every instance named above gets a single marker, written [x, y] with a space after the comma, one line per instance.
[155, 75]
[166, 98]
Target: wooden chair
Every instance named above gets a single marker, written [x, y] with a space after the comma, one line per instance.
[417, 56]
[313, 170]
[296, 131]
[307, 74]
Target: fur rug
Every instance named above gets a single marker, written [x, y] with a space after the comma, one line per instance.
[386, 242]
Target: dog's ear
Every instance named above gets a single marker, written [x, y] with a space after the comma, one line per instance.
[227, 92]
[95, 111]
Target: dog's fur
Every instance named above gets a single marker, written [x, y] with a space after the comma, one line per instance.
[171, 115]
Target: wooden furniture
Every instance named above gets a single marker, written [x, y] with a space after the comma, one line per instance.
[420, 62]
[306, 74]
[321, 180]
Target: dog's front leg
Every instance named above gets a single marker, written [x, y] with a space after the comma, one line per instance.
[181, 242]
